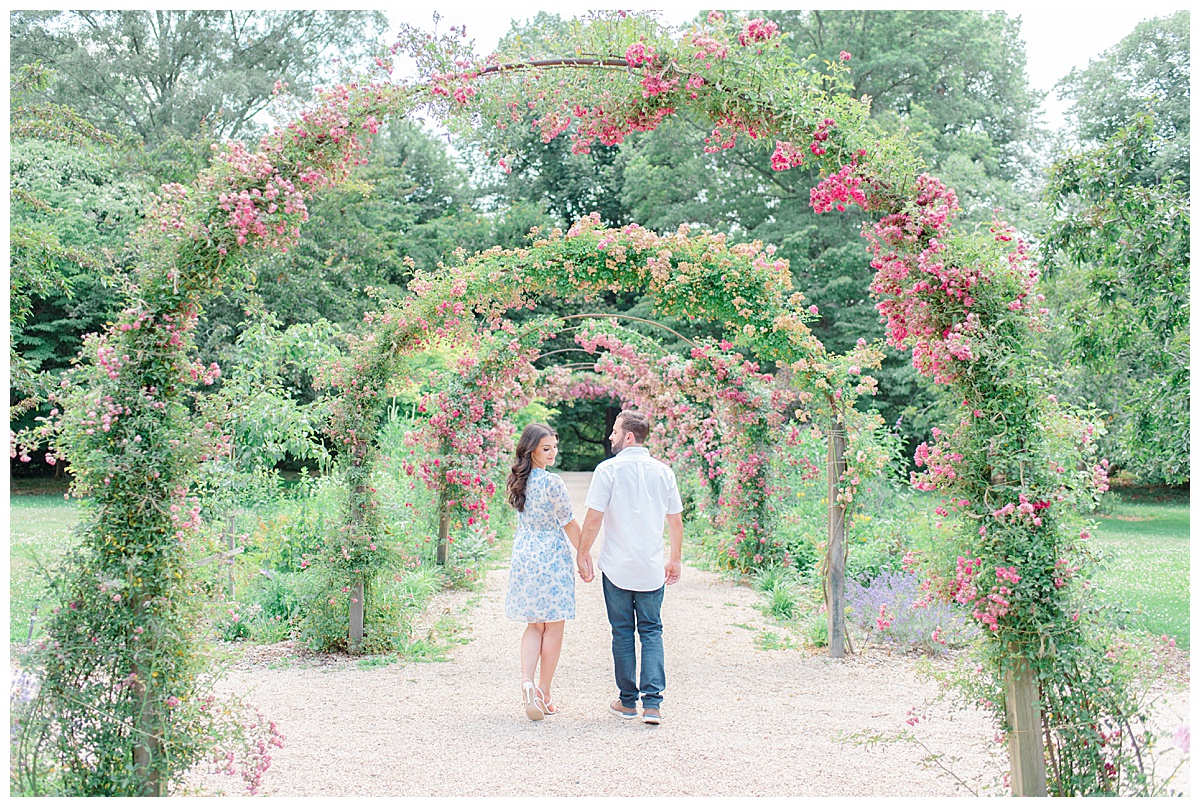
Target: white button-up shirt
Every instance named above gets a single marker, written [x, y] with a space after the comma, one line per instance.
[636, 493]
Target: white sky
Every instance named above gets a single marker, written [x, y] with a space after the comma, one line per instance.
[1057, 36]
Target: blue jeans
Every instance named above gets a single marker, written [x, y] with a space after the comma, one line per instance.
[642, 610]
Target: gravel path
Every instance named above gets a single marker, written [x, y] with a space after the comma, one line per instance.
[737, 720]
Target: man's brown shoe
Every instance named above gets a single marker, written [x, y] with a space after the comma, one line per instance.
[652, 716]
[621, 710]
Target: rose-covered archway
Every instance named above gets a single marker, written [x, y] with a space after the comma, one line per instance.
[1009, 466]
[740, 287]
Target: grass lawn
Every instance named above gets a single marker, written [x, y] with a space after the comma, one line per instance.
[1148, 566]
[39, 533]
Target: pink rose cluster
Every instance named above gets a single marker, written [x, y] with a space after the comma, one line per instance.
[939, 465]
[1023, 510]
[906, 254]
[756, 30]
[840, 188]
[454, 85]
[821, 135]
[965, 589]
[725, 133]
[786, 156]
[640, 54]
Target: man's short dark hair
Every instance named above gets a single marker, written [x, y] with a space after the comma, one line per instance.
[636, 424]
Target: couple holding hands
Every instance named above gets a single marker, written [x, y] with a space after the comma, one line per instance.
[633, 496]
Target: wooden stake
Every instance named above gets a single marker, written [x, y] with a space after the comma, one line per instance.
[835, 547]
[1027, 760]
[231, 535]
[356, 618]
[443, 546]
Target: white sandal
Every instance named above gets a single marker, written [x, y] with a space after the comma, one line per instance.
[532, 710]
[547, 707]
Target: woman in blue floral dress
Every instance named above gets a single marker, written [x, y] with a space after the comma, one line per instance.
[541, 577]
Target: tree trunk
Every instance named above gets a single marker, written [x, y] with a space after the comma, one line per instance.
[835, 547]
[1026, 755]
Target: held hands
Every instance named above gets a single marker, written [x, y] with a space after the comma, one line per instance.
[673, 569]
[583, 560]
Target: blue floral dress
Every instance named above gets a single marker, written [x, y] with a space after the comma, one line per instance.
[541, 575]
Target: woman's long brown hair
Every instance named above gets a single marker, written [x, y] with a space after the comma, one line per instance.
[523, 463]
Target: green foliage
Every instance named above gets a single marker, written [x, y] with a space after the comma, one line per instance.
[1126, 255]
[881, 525]
[1120, 243]
[257, 407]
[816, 630]
[1148, 69]
[161, 73]
[72, 202]
[780, 592]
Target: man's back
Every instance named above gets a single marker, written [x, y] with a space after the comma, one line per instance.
[635, 492]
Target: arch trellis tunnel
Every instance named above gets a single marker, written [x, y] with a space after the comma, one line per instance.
[964, 304]
[699, 277]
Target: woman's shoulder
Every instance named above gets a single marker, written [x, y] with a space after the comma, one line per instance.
[543, 477]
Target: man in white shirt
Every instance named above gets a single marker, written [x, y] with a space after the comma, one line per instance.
[633, 496]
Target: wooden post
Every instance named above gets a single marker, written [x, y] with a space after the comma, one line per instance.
[32, 622]
[231, 536]
[1026, 756]
[835, 547]
[147, 734]
[356, 617]
[443, 546]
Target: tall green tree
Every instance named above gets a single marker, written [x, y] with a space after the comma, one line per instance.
[1119, 250]
[159, 73]
[66, 198]
[1149, 70]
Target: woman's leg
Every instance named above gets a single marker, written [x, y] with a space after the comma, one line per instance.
[531, 646]
[552, 639]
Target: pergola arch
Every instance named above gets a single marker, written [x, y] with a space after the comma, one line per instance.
[699, 276]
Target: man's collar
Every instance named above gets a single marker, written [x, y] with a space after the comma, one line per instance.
[635, 449]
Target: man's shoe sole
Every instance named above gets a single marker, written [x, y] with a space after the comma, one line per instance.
[653, 720]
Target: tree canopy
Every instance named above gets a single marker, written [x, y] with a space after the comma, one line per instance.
[1119, 244]
[158, 73]
[1147, 71]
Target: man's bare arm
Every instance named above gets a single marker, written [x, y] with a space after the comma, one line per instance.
[587, 537]
[674, 566]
